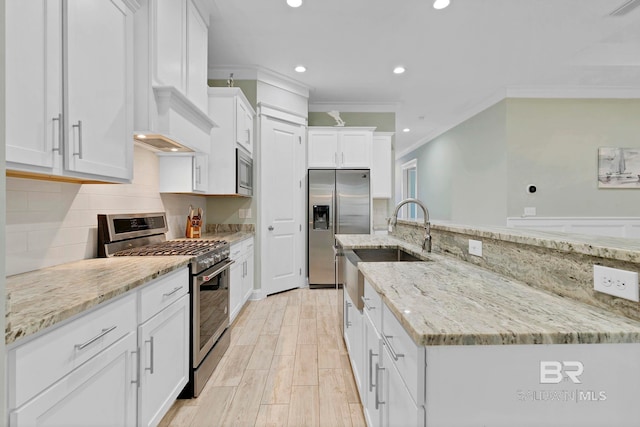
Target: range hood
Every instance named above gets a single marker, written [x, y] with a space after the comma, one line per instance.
[161, 143]
[167, 121]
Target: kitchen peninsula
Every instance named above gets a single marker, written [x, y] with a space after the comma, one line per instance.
[444, 334]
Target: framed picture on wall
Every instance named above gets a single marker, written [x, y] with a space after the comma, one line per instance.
[618, 167]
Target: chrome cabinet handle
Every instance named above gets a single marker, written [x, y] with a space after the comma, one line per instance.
[367, 306]
[197, 174]
[136, 364]
[371, 384]
[395, 355]
[346, 313]
[270, 228]
[60, 131]
[79, 126]
[150, 368]
[343, 158]
[378, 401]
[335, 158]
[168, 294]
[94, 339]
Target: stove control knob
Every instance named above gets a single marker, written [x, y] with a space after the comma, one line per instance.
[217, 257]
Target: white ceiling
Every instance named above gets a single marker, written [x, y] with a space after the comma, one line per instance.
[459, 60]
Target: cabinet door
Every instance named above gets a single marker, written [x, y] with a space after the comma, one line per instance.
[235, 281]
[196, 61]
[354, 340]
[244, 126]
[323, 149]
[372, 361]
[98, 78]
[381, 167]
[168, 24]
[398, 409]
[355, 149]
[33, 92]
[247, 282]
[164, 360]
[101, 392]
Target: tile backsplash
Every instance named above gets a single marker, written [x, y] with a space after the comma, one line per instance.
[50, 223]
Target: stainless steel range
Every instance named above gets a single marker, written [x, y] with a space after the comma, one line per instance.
[144, 235]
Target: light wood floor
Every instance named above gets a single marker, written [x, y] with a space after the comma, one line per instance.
[286, 366]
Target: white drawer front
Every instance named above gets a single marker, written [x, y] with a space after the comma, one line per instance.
[163, 291]
[373, 305]
[410, 360]
[34, 366]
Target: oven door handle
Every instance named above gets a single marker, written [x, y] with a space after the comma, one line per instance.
[206, 277]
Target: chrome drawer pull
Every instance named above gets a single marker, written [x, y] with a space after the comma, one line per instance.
[378, 401]
[94, 339]
[367, 306]
[395, 355]
[150, 368]
[371, 384]
[168, 294]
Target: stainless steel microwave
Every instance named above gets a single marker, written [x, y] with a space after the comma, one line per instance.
[244, 173]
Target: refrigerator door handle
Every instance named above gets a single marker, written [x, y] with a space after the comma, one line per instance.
[336, 214]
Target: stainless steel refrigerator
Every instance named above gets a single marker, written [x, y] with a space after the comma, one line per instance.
[339, 203]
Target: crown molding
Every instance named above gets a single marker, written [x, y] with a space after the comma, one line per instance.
[574, 92]
[255, 72]
[352, 107]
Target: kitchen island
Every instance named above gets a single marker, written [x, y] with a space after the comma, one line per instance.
[485, 349]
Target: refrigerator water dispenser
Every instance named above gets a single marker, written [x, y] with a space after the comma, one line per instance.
[320, 217]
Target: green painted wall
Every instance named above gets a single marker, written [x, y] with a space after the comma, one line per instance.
[224, 210]
[384, 122]
[477, 172]
[248, 87]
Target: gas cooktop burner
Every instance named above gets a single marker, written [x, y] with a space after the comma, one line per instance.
[174, 247]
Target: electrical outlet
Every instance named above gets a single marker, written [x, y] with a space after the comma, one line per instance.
[619, 283]
[247, 213]
[241, 213]
[475, 247]
[530, 211]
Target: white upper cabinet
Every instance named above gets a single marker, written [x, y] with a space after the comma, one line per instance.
[183, 173]
[171, 72]
[381, 161]
[235, 118]
[57, 127]
[330, 147]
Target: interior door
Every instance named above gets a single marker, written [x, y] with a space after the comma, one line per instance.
[282, 196]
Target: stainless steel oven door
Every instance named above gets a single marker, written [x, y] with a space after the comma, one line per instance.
[244, 172]
[210, 308]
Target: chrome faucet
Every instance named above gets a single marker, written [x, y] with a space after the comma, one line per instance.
[426, 244]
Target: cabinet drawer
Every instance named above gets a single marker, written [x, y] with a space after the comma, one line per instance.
[34, 366]
[163, 291]
[373, 305]
[237, 250]
[410, 360]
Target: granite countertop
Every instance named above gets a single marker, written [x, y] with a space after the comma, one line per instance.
[229, 236]
[617, 248]
[42, 298]
[446, 301]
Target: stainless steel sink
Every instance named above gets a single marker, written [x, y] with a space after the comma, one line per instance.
[385, 255]
[353, 278]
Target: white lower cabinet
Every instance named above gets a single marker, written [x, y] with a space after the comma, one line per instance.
[121, 364]
[102, 392]
[241, 277]
[393, 378]
[164, 360]
[353, 338]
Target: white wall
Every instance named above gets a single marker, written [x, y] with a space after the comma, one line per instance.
[51, 223]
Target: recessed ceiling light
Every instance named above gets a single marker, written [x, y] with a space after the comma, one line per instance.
[406, 130]
[300, 69]
[174, 149]
[440, 4]
[294, 3]
[399, 70]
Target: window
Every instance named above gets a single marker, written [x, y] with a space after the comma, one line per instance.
[410, 188]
